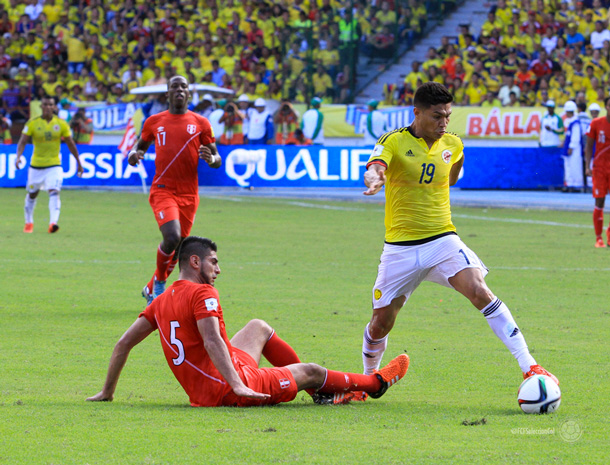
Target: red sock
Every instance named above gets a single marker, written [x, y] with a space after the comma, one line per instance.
[338, 381]
[172, 264]
[279, 353]
[163, 262]
[598, 221]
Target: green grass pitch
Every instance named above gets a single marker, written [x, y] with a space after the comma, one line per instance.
[306, 267]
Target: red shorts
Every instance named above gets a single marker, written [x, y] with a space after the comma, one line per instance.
[601, 181]
[167, 207]
[278, 382]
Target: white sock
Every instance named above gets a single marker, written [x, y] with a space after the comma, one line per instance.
[54, 207]
[503, 325]
[29, 208]
[372, 351]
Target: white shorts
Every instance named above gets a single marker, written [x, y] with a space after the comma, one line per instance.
[45, 178]
[403, 268]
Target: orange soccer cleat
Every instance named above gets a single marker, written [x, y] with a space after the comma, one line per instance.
[538, 370]
[327, 398]
[391, 374]
[53, 228]
[28, 228]
[599, 243]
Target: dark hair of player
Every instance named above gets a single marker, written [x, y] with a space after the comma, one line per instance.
[606, 100]
[430, 94]
[195, 245]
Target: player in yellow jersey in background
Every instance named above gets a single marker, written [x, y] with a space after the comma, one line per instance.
[417, 164]
[46, 132]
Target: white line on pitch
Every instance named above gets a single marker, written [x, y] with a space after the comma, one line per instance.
[95, 261]
[541, 268]
[455, 215]
[520, 221]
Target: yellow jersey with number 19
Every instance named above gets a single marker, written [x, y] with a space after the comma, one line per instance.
[46, 137]
[417, 184]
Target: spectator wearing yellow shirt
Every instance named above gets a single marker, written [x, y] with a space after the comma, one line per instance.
[385, 16]
[433, 60]
[542, 95]
[563, 15]
[504, 13]
[493, 82]
[492, 23]
[528, 96]
[491, 101]
[178, 63]
[591, 93]
[599, 12]
[475, 91]
[228, 61]
[322, 83]
[458, 91]
[267, 25]
[577, 76]
[415, 75]
[76, 91]
[510, 39]
[77, 50]
[64, 28]
[33, 47]
[42, 71]
[52, 11]
[531, 39]
[586, 26]
[206, 55]
[295, 60]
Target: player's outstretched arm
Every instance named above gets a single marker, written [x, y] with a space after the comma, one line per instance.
[74, 151]
[374, 178]
[219, 354]
[140, 149]
[209, 154]
[136, 333]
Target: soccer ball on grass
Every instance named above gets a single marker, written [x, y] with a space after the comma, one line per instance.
[539, 394]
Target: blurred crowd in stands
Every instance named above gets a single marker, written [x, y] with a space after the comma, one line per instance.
[526, 53]
[96, 50]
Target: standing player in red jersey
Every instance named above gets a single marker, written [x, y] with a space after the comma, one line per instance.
[599, 135]
[181, 137]
[215, 371]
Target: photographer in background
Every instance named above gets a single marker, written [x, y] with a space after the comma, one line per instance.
[233, 120]
[260, 130]
[82, 127]
[286, 123]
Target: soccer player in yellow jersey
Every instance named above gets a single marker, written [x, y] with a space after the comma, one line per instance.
[46, 133]
[417, 164]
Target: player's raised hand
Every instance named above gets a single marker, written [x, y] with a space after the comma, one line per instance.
[134, 157]
[374, 180]
[245, 391]
[100, 397]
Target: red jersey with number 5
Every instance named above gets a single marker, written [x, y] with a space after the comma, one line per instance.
[599, 131]
[175, 313]
[177, 139]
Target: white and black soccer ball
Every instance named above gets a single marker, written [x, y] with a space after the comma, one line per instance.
[539, 394]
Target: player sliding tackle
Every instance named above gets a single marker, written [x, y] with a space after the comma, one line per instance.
[417, 164]
[215, 371]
